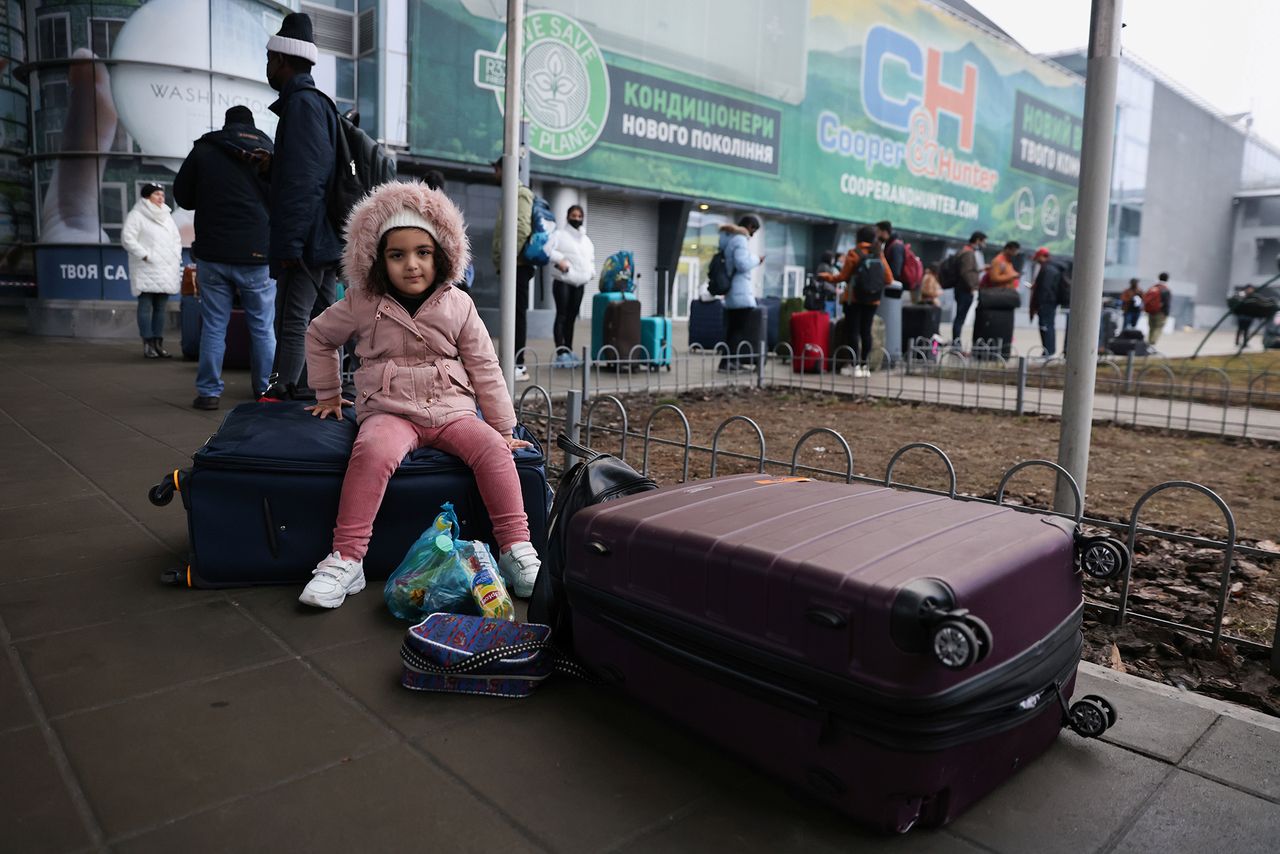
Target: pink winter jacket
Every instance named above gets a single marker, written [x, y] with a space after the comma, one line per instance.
[430, 368]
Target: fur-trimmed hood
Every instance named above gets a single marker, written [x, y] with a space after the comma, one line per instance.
[367, 218]
[732, 229]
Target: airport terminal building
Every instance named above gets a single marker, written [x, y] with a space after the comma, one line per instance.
[663, 119]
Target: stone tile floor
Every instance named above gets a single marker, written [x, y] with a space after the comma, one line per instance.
[138, 717]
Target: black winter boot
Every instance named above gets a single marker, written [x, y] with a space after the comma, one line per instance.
[158, 343]
[149, 349]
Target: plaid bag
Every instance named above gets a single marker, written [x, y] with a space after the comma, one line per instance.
[461, 654]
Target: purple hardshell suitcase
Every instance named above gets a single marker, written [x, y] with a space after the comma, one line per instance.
[897, 654]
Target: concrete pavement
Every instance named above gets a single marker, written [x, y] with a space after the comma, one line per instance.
[137, 717]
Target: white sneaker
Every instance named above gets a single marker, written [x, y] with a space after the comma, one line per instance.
[849, 371]
[520, 565]
[862, 371]
[522, 373]
[333, 579]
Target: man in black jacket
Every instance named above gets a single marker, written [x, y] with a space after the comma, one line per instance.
[1046, 295]
[220, 182]
[895, 251]
[304, 248]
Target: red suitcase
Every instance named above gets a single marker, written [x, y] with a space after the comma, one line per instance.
[810, 341]
[895, 654]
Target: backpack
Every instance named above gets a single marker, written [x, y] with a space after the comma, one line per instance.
[1153, 301]
[868, 280]
[815, 299]
[718, 279]
[617, 274]
[949, 271]
[541, 223]
[597, 478]
[912, 268]
[360, 164]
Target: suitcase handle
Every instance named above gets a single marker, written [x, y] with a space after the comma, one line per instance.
[564, 443]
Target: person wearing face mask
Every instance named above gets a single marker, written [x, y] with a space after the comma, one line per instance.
[574, 258]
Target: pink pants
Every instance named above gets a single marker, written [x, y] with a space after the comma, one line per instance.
[382, 443]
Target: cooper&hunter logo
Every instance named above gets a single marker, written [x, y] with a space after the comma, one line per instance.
[566, 84]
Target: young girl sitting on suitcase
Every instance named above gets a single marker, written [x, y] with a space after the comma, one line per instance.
[426, 361]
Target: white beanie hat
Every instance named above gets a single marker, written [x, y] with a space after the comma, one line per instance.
[407, 218]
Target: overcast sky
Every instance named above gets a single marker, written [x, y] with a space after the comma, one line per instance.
[1225, 51]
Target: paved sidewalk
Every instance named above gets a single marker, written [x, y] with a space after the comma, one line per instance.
[137, 717]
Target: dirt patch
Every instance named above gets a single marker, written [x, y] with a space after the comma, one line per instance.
[1177, 581]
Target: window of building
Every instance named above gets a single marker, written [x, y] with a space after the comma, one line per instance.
[1262, 211]
[53, 36]
[53, 95]
[1268, 252]
[114, 207]
[52, 140]
[102, 35]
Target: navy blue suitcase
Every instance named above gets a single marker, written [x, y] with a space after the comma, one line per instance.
[773, 311]
[706, 323]
[262, 495]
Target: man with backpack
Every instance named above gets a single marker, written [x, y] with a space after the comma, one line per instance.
[907, 268]
[220, 182]
[1156, 302]
[962, 272]
[524, 269]
[867, 271]
[304, 247]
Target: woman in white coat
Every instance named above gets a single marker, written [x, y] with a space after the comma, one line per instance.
[151, 238]
[574, 257]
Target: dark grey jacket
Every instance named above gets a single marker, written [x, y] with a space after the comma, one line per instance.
[301, 171]
[220, 183]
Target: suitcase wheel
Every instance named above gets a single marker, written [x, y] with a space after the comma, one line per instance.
[1088, 717]
[1103, 558]
[162, 493]
[955, 644]
[1112, 714]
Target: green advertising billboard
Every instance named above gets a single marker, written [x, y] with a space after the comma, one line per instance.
[855, 110]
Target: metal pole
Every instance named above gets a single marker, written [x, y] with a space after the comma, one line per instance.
[513, 110]
[572, 424]
[1020, 406]
[1091, 241]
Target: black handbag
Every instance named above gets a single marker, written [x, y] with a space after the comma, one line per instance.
[999, 299]
[597, 478]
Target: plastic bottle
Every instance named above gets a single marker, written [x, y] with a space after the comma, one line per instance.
[486, 582]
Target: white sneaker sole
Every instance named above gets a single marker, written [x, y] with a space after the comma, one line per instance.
[332, 600]
[521, 591]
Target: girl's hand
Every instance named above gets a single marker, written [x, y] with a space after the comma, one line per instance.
[330, 406]
[516, 444]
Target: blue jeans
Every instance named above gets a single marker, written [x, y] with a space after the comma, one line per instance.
[151, 314]
[1048, 335]
[257, 291]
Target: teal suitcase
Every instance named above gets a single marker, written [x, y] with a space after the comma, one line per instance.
[655, 337]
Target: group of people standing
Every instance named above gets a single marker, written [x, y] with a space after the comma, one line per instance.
[1154, 302]
[262, 229]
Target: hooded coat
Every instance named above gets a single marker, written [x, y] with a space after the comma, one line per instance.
[151, 238]
[741, 261]
[430, 368]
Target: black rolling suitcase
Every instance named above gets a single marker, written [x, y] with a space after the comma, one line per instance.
[745, 346]
[262, 496]
[706, 323]
[992, 332]
[1128, 341]
[920, 321]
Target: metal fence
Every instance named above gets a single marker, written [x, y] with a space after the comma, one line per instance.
[1144, 391]
[580, 417]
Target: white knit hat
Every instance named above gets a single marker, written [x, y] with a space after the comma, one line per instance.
[407, 218]
[295, 38]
